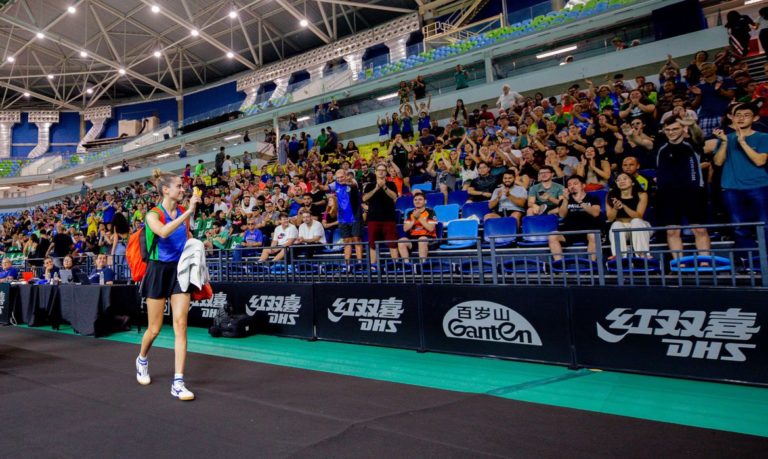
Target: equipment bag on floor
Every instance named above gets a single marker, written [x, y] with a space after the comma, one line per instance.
[229, 325]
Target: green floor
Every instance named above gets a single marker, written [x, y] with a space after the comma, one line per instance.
[717, 406]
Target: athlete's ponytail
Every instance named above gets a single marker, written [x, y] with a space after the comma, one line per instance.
[162, 179]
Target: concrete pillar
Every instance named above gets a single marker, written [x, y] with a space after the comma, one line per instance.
[316, 73]
[355, 62]
[488, 69]
[250, 98]
[281, 87]
[396, 48]
[180, 108]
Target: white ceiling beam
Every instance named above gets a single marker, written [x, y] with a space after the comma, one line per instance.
[104, 33]
[37, 95]
[371, 6]
[299, 15]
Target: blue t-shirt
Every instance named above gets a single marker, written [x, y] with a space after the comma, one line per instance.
[712, 103]
[739, 172]
[12, 273]
[109, 213]
[253, 236]
[346, 213]
[109, 275]
[383, 129]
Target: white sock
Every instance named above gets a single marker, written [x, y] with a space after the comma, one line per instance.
[142, 360]
[178, 378]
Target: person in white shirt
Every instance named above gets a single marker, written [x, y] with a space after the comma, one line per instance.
[509, 99]
[311, 233]
[283, 237]
[247, 205]
[226, 167]
[220, 205]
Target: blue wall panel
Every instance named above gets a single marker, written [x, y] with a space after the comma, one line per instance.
[165, 109]
[211, 99]
[67, 130]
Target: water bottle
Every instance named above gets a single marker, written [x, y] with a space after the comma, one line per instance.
[101, 277]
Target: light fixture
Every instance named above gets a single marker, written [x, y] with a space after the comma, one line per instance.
[157, 54]
[303, 23]
[89, 91]
[121, 71]
[26, 94]
[114, 168]
[71, 9]
[79, 177]
[5, 188]
[194, 32]
[303, 118]
[42, 184]
[387, 97]
[232, 137]
[83, 53]
[11, 59]
[230, 54]
[232, 14]
[752, 2]
[50, 76]
[50, 169]
[155, 9]
[40, 35]
[556, 52]
[156, 134]
[164, 155]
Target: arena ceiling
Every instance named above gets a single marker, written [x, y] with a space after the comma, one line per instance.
[74, 54]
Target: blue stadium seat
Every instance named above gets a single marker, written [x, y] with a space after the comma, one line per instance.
[461, 234]
[473, 267]
[447, 212]
[498, 227]
[537, 224]
[426, 186]
[404, 202]
[458, 197]
[572, 265]
[523, 266]
[436, 266]
[335, 246]
[435, 199]
[399, 267]
[476, 209]
[634, 265]
[716, 264]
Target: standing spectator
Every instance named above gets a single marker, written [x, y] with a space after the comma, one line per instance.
[293, 122]
[461, 77]
[61, 245]
[419, 87]
[420, 226]
[712, 97]
[509, 100]
[738, 26]
[348, 202]
[247, 158]
[578, 211]
[218, 162]
[625, 206]
[282, 150]
[246, 137]
[383, 124]
[284, 236]
[382, 226]
[743, 154]
[200, 168]
[226, 167]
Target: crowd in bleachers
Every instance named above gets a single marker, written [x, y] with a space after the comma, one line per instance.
[618, 153]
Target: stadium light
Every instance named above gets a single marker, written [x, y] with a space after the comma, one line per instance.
[83, 53]
[50, 76]
[121, 71]
[232, 14]
[71, 10]
[230, 54]
[164, 155]
[79, 177]
[194, 32]
[155, 9]
[40, 35]
[304, 23]
[157, 54]
[387, 97]
[556, 52]
[752, 2]
[303, 118]
[232, 137]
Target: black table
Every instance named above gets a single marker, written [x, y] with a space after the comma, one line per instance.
[88, 308]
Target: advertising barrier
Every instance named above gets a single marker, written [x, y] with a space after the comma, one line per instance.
[521, 323]
[371, 314]
[719, 334]
[5, 304]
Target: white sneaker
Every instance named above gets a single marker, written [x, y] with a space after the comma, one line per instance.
[142, 372]
[179, 391]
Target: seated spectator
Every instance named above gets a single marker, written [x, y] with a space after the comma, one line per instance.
[284, 236]
[49, 269]
[596, 171]
[101, 274]
[631, 166]
[8, 273]
[69, 272]
[625, 206]
[578, 211]
[420, 226]
[481, 188]
[311, 235]
[509, 199]
[253, 239]
[545, 196]
[217, 237]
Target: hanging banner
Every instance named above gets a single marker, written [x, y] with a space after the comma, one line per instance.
[529, 323]
[719, 334]
[370, 314]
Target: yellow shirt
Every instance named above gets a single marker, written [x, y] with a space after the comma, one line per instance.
[93, 225]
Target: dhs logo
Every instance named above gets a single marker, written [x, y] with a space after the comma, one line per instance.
[374, 315]
[487, 321]
[283, 310]
[211, 307]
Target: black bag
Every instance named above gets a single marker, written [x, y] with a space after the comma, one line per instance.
[229, 325]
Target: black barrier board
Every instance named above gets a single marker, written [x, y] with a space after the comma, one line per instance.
[387, 315]
[5, 304]
[202, 313]
[719, 334]
[279, 309]
[527, 323]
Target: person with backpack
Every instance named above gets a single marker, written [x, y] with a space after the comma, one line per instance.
[167, 228]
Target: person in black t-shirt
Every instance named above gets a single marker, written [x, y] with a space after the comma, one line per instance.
[579, 212]
[481, 189]
[380, 197]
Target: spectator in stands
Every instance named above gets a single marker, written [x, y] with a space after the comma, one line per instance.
[75, 273]
[578, 211]
[218, 162]
[420, 226]
[311, 233]
[625, 206]
[618, 43]
[348, 202]
[459, 114]
[383, 124]
[282, 150]
[62, 244]
[199, 168]
[739, 27]
[253, 239]
[681, 194]
[217, 237]
[743, 155]
[596, 171]
[101, 274]
[380, 196]
[509, 199]
[509, 100]
[419, 87]
[545, 196]
[481, 188]
[284, 236]
[50, 271]
[461, 77]
[8, 273]
[226, 167]
[631, 167]
[712, 97]
[124, 166]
